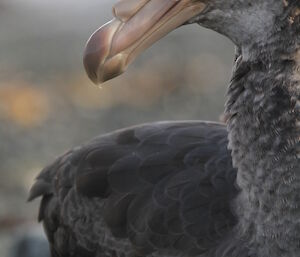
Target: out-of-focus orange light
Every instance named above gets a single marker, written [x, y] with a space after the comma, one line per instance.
[23, 104]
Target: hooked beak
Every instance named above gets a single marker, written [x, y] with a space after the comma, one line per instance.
[137, 25]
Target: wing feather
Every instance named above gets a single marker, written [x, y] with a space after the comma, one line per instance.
[157, 187]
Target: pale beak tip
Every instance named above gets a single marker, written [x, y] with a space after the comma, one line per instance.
[90, 65]
[100, 72]
[98, 63]
[95, 53]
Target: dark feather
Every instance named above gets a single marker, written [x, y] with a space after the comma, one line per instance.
[156, 187]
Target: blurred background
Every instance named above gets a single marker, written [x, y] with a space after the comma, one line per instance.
[48, 105]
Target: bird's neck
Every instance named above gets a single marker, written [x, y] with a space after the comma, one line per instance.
[263, 113]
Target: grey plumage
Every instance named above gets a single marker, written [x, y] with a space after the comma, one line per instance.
[174, 188]
[146, 186]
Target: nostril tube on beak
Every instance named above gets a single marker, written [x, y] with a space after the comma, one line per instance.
[124, 10]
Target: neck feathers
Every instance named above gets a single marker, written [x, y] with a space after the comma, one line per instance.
[263, 113]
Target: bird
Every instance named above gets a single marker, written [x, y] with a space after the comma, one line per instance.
[188, 188]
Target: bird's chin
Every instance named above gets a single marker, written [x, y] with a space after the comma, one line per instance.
[136, 26]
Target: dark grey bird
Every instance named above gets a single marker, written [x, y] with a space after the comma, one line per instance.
[174, 188]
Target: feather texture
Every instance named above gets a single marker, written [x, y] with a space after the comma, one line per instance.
[159, 187]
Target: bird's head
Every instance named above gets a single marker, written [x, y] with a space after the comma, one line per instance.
[140, 23]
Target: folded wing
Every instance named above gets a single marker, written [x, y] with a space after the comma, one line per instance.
[157, 188]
